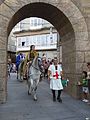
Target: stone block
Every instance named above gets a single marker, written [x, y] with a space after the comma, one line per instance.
[36, 1]
[69, 58]
[3, 42]
[3, 21]
[68, 46]
[54, 2]
[67, 7]
[85, 3]
[89, 35]
[82, 45]
[76, 17]
[3, 89]
[88, 22]
[80, 57]
[3, 70]
[15, 5]
[6, 11]
[69, 68]
[3, 56]
[80, 26]
[79, 68]
[3, 96]
[81, 36]
[65, 29]
[3, 31]
[87, 56]
[3, 83]
[67, 36]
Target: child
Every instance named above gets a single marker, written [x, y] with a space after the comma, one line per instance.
[85, 86]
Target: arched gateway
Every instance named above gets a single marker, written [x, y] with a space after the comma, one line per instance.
[67, 19]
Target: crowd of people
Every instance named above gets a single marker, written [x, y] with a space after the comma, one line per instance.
[53, 72]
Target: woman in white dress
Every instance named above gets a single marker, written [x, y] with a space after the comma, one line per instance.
[54, 75]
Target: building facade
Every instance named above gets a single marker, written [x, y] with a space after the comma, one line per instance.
[38, 32]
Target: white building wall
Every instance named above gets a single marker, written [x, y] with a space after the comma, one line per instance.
[42, 42]
[32, 23]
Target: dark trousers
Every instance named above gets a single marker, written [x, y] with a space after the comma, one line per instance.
[54, 95]
[89, 85]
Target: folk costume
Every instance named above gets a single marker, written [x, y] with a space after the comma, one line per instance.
[32, 55]
[29, 58]
[55, 80]
[55, 77]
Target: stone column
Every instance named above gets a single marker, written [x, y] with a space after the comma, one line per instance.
[3, 68]
[3, 59]
[69, 62]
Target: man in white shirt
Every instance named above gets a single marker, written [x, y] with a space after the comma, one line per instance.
[54, 75]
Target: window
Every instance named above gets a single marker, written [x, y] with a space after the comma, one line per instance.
[35, 22]
[23, 43]
[31, 22]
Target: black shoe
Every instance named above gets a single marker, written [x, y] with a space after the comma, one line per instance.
[59, 100]
[54, 99]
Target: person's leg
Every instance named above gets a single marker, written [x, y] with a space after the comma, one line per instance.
[54, 96]
[59, 96]
[85, 96]
[46, 72]
[89, 90]
[89, 85]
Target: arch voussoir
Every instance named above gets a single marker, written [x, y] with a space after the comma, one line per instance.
[67, 19]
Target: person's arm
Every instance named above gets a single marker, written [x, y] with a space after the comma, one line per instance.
[49, 72]
[62, 74]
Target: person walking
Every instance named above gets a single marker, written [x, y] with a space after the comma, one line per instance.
[54, 75]
[19, 58]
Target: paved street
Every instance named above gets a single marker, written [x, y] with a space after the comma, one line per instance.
[20, 106]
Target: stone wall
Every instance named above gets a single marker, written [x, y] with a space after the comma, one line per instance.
[70, 19]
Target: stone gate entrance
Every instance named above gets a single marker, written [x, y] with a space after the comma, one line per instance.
[70, 23]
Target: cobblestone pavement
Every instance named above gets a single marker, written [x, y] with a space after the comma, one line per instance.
[20, 106]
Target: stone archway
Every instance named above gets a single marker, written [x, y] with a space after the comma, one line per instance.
[67, 19]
